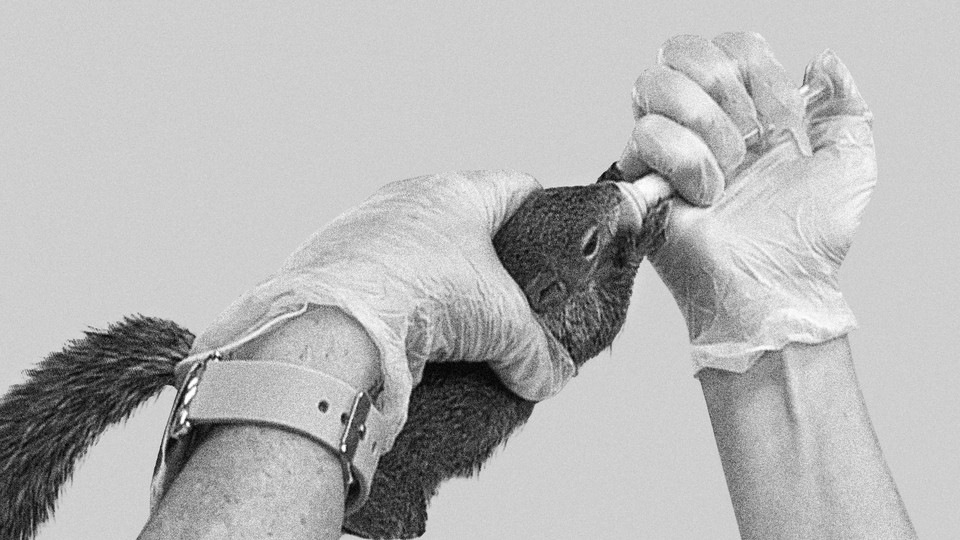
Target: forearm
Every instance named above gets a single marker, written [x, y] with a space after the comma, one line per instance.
[798, 449]
[253, 482]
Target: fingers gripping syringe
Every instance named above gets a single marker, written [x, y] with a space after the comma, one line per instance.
[807, 95]
[651, 188]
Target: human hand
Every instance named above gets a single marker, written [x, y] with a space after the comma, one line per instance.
[759, 268]
[416, 267]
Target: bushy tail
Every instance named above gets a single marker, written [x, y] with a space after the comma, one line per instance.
[48, 422]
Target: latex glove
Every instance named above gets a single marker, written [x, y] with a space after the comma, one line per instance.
[416, 267]
[759, 268]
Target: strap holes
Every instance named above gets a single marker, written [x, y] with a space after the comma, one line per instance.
[323, 406]
[343, 418]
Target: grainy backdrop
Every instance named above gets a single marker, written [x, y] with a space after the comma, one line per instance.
[162, 157]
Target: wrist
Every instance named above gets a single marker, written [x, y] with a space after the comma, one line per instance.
[247, 481]
[323, 339]
[247, 464]
[734, 315]
[819, 471]
[736, 343]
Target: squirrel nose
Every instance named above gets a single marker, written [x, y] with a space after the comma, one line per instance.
[546, 291]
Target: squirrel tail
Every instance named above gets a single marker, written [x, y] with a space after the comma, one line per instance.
[48, 422]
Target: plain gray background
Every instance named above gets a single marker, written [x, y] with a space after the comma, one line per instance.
[163, 157]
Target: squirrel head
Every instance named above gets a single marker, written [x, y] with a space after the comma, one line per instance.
[575, 252]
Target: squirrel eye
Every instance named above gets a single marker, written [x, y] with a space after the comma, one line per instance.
[590, 243]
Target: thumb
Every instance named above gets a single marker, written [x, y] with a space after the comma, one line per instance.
[539, 372]
[507, 334]
[485, 317]
[838, 115]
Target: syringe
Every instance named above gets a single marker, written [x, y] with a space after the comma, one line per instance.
[652, 187]
[807, 94]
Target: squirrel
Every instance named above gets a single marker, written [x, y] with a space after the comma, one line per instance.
[566, 247]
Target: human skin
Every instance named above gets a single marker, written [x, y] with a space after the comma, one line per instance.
[246, 482]
[798, 449]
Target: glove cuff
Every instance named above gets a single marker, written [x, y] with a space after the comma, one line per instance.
[772, 332]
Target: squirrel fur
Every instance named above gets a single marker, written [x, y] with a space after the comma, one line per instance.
[458, 414]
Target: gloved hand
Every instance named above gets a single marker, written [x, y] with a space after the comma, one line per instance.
[416, 267]
[759, 268]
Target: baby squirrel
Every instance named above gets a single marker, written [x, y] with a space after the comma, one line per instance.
[569, 250]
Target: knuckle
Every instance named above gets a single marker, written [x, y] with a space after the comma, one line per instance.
[645, 85]
[721, 77]
[742, 45]
[756, 39]
[681, 40]
[681, 46]
[524, 182]
[700, 60]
